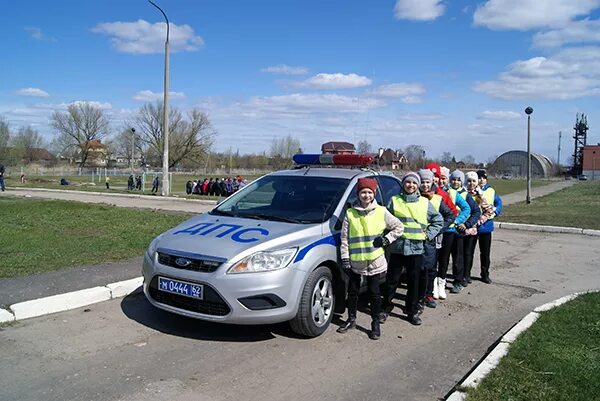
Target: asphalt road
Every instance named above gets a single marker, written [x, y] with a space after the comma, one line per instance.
[127, 350]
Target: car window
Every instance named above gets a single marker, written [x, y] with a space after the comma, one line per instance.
[296, 199]
[389, 187]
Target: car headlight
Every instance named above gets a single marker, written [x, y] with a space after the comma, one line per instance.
[264, 261]
[153, 246]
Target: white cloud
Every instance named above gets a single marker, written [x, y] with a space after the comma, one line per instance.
[37, 34]
[583, 31]
[149, 96]
[531, 14]
[398, 90]
[569, 74]
[64, 106]
[419, 10]
[285, 69]
[142, 37]
[334, 81]
[498, 115]
[302, 103]
[35, 92]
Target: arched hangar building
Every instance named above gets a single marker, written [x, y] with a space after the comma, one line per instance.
[514, 163]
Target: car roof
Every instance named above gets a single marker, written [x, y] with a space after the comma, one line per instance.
[333, 172]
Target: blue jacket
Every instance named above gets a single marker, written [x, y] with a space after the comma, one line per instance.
[474, 213]
[488, 226]
[463, 214]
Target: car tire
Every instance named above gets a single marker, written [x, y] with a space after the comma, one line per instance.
[317, 303]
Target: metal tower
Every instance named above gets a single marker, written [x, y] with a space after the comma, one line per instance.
[580, 136]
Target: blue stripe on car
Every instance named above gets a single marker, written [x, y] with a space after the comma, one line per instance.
[333, 240]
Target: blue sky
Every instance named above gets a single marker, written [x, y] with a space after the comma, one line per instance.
[451, 76]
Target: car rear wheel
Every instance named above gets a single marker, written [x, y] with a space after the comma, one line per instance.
[316, 304]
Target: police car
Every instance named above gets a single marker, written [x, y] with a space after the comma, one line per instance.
[267, 254]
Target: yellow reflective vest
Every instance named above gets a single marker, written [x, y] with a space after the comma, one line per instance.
[362, 230]
[489, 194]
[413, 215]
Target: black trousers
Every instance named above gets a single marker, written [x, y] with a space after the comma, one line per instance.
[448, 243]
[458, 258]
[373, 291]
[469, 243]
[429, 271]
[485, 248]
[413, 265]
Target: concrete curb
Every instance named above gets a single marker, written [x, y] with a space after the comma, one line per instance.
[546, 229]
[151, 197]
[69, 300]
[501, 349]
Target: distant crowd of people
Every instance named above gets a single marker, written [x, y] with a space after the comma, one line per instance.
[215, 187]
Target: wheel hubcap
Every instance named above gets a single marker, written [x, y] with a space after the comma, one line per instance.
[322, 302]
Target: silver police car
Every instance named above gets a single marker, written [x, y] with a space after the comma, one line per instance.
[267, 254]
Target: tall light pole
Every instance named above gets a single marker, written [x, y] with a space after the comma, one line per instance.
[132, 147]
[165, 180]
[528, 111]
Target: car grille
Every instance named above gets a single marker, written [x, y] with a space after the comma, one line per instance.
[196, 264]
[212, 304]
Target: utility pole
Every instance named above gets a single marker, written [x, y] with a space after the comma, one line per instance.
[558, 158]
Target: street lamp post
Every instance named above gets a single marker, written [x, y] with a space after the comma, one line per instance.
[528, 111]
[165, 180]
[132, 147]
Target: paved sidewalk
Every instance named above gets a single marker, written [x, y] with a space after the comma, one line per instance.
[122, 200]
[536, 192]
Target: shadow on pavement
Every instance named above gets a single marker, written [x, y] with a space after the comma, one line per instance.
[136, 307]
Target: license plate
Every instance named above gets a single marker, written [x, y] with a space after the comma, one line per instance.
[181, 288]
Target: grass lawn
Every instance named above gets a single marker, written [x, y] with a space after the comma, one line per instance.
[577, 206]
[47, 235]
[557, 359]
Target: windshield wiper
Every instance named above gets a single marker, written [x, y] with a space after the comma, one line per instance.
[221, 213]
[273, 218]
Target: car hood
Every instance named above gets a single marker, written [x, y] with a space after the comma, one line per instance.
[226, 237]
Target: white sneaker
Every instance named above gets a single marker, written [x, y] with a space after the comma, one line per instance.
[442, 288]
[436, 291]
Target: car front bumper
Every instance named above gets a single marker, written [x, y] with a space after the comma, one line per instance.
[269, 297]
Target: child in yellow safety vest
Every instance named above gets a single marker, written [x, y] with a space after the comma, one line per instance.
[362, 241]
[421, 223]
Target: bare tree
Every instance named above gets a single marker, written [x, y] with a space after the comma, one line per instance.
[190, 137]
[364, 147]
[415, 155]
[4, 136]
[25, 141]
[469, 160]
[123, 143]
[80, 124]
[285, 148]
[446, 158]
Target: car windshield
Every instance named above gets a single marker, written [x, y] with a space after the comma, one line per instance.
[293, 199]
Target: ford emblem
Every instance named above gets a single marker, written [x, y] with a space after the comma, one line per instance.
[183, 262]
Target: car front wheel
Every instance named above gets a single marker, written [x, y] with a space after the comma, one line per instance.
[316, 304]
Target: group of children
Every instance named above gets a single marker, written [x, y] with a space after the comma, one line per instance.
[436, 215]
[215, 187]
